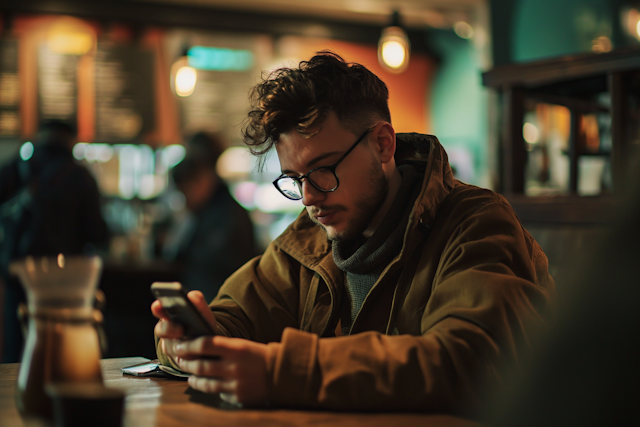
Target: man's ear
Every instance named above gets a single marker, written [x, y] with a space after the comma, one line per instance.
[386, 141]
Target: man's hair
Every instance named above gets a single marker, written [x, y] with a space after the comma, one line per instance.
[300, 98]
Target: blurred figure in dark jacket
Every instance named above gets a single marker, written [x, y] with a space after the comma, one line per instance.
[216, 237]
[49, 204]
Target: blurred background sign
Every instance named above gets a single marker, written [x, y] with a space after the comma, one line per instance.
[124, 93]
[57, 85]
[9, 89]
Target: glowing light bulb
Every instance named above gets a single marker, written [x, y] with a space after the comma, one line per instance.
[186, 80]
[183, 77]
[393, 50]
[393, 54]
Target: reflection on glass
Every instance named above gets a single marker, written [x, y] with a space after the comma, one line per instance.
[547, 135]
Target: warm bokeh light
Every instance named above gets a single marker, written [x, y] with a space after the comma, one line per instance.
[601, 44]
[185, 80]
[70, 36]
[530, 133]
[393, 54]
[393, 50]
[463, 30]
[631, 22]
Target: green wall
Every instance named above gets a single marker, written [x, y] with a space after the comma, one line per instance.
[459, 106]
[527, 30]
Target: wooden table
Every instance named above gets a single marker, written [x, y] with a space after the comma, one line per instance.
[167, 402]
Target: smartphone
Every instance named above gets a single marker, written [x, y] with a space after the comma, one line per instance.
[180, 309]
[145, 369]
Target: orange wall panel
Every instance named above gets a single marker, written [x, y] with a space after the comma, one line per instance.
[409, 92]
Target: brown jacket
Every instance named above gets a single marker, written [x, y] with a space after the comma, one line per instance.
[468, 286]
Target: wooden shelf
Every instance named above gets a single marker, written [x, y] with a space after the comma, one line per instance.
[577, 83]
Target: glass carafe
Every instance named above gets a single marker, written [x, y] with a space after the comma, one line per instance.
[62, 343]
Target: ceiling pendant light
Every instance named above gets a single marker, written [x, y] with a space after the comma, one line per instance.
[393, 47]
[183, 76]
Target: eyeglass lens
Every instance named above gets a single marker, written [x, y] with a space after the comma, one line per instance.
[322, 179]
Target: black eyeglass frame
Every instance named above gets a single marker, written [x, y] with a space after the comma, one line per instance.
[332, 168]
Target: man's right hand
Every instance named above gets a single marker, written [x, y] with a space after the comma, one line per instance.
[170, 333]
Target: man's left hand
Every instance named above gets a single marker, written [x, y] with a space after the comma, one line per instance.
[234, 367]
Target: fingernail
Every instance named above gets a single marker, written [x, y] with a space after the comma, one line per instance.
[179, 347]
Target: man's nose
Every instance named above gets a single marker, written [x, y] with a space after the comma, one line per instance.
[310, 194]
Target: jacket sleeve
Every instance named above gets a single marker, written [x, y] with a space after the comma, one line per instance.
[261, 299]
[490, 291]
[258, 301]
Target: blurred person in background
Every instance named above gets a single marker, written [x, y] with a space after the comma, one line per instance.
[49, 204]
[216, 237]
[398, 288]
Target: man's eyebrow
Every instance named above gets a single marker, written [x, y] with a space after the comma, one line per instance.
[313, 163]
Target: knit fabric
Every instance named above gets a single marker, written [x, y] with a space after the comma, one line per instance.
[363, 260]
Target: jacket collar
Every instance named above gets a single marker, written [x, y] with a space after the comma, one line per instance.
[308, 244]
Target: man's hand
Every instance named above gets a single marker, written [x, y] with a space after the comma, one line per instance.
[169, 331]
[236, 368]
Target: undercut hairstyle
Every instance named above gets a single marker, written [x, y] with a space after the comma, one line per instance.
[300, 98]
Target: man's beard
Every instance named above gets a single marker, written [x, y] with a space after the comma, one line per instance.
[367, 206]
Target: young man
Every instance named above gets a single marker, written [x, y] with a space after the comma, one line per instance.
[398, 288]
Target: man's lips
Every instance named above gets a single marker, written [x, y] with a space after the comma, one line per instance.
[325, 217]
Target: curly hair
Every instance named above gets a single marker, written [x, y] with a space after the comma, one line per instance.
[300, 98]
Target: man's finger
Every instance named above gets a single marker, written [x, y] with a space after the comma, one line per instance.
[212, 385]
[197, 298]
[158, 311]
[211, 368]
[216, 346]
[167, 329]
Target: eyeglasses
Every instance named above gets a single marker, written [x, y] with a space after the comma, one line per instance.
[323, 178]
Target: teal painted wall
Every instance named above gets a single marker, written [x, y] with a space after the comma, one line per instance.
[548, 28]
[459, 107]
[527, 30]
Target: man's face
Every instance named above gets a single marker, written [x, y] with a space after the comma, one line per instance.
[346, 212]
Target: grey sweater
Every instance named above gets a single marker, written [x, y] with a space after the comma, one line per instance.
[363, 260]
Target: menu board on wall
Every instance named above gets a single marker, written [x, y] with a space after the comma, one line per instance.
[217, 103]
[229, 66]
[124, 93]
[57, 86]
[9, 89]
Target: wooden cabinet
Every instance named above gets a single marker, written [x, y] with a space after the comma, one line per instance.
[589, 84]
